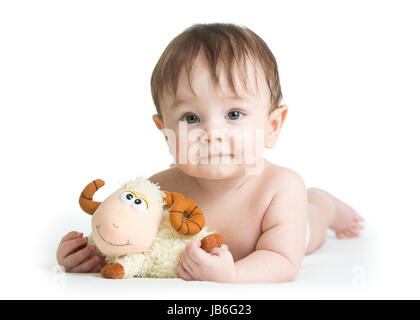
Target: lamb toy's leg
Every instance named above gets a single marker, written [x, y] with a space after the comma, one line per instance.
[211, 241]
[113, 271]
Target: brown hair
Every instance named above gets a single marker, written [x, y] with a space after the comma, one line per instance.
[224, 42]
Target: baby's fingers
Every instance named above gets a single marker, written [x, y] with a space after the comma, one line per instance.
[217, 251]
[87, 266]
[194, 254]
[96, 269]
[78, 257]
[184, 274]
[71, 235]
[67, 247]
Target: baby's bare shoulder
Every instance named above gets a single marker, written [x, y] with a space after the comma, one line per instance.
[289, 196]
[168, 179]
[282, 178]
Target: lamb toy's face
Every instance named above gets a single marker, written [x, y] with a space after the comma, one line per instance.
[125, 223]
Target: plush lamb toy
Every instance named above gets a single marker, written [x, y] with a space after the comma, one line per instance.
[142, 231]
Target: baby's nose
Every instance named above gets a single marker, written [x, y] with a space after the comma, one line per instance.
[208, 139]
[214, 135]
[115, 226]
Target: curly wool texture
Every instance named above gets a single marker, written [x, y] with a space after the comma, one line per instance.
[146, 189]
[162, 258]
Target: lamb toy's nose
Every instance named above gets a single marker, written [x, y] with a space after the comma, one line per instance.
[115, 226]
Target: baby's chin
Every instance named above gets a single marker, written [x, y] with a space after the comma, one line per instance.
[213, 171]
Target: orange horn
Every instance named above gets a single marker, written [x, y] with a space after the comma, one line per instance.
[185, 215]
[171, 197]
[85, 200]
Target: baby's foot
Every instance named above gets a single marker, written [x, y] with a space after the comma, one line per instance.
[347, 223]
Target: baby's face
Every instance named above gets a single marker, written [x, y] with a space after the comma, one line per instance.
[216, 134]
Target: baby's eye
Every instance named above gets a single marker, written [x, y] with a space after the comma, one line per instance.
[234, 115]
[191, 118]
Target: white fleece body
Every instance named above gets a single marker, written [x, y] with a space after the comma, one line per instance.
[162, 258]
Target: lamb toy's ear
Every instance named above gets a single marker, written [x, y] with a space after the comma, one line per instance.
[86, 197]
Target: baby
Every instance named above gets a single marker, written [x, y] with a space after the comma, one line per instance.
[217, 94]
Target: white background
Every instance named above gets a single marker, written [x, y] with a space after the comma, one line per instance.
[76, 105]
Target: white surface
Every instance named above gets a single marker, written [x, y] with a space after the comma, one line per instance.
[75, 105]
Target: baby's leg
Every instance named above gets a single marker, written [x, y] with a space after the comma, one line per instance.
[326, 211]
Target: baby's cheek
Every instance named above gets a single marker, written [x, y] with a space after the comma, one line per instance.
[254, 145]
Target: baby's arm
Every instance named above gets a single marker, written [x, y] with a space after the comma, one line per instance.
[281, 247]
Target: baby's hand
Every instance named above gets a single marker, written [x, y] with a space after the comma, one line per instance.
[196, 264]
[75, 256]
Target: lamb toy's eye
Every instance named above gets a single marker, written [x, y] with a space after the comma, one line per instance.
[127, 197]
[140, 204]
[135, 201]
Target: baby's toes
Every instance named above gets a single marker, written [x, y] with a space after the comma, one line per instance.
[359, 226]
[348, 234]
[354, 231]
[354, 234]
[358, 218]
[341, 235]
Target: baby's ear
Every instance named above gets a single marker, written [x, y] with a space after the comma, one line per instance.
[275, 122]
[158, 121]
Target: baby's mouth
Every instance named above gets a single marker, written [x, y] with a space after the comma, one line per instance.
[216, 156]
[112, 244]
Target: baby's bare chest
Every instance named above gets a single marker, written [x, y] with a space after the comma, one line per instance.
[237, 218]
[237, 215]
